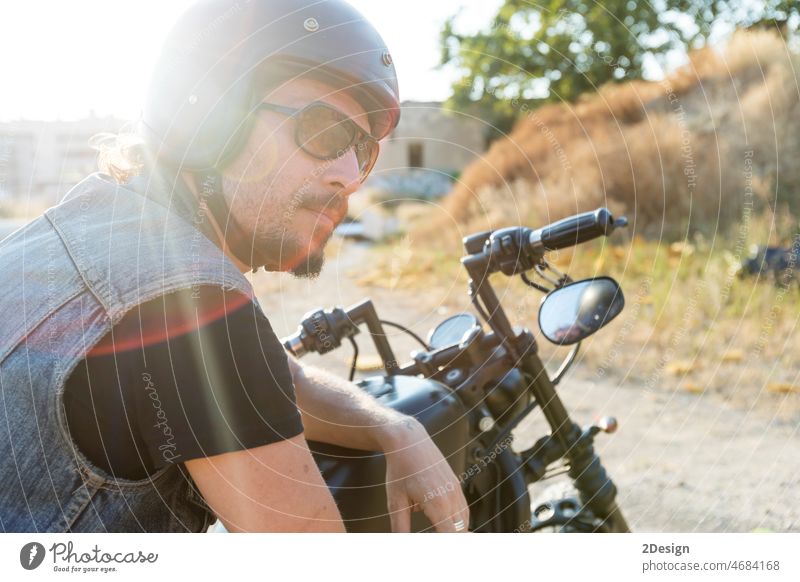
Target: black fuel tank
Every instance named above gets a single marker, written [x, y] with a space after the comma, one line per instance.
[357, 478]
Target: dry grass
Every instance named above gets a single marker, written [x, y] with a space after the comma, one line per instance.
[691, 324]
[672, 155]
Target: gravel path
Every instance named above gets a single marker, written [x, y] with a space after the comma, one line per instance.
[682, 462]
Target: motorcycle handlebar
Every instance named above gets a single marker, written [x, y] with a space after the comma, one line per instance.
[294, 344]
[576, 229]
[323, 330]
[320, 331]
[518, 249]
[510, 250]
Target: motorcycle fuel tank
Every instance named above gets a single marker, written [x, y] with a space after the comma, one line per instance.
[357, 479]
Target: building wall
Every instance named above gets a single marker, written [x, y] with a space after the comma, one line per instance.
[448, 141]
[42, 160]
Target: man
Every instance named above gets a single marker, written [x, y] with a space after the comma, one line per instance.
[143, 387]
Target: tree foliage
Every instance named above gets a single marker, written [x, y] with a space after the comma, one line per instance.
[555, 50]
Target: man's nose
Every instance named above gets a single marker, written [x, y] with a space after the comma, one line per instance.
[342, 173]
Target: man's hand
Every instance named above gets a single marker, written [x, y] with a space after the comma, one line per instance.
[417, 475]
[418, 478]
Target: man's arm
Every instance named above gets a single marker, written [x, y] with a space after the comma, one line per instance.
[272, 488]
[338, 412]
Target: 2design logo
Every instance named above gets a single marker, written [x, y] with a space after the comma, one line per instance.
[31, 555]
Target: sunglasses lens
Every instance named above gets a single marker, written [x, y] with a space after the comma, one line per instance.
[326, 134]
[367, 154]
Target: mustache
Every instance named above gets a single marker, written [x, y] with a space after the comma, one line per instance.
[329, 204]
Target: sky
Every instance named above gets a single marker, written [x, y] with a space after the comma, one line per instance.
[60, 59]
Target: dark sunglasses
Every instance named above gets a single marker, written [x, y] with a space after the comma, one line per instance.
[326, 133]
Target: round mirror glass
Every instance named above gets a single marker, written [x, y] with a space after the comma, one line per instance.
[451, 330]
[573, 313]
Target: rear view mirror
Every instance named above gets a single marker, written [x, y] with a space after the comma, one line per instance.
[451, 330]
[574, 312]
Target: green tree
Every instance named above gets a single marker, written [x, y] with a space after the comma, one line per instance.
[782, 16]
[555, 50]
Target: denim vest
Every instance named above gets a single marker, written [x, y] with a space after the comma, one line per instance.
[67, 278]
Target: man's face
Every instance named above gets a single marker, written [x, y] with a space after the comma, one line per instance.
[287, 199]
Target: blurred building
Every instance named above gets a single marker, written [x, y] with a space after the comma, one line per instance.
[41, 160]
[427, 150]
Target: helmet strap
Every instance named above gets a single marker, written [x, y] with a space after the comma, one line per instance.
[209, 187]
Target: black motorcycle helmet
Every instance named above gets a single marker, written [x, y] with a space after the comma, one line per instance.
[222, 56]
[198, 108]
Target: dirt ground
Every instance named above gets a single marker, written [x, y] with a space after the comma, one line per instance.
[682, 462]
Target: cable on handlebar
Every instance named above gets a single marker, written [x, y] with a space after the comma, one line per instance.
[536, 286]
[406, 330]
[354, 363]
[355, 358]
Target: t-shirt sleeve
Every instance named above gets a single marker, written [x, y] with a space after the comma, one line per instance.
[215, 378]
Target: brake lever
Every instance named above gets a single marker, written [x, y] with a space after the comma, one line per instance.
[556, 283]
[533, 284]
[563, 278]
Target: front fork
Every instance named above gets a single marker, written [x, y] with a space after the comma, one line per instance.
[597, 490]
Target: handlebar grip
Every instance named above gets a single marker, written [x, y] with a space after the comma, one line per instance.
[575, 229]
[323, 330]
[320, 331]
[294, 344]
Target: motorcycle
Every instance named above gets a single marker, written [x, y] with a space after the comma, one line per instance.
[471, 385]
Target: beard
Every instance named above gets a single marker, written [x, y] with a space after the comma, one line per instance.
[300, 257]
[311, 267]
[271, 222]
[291, 254]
